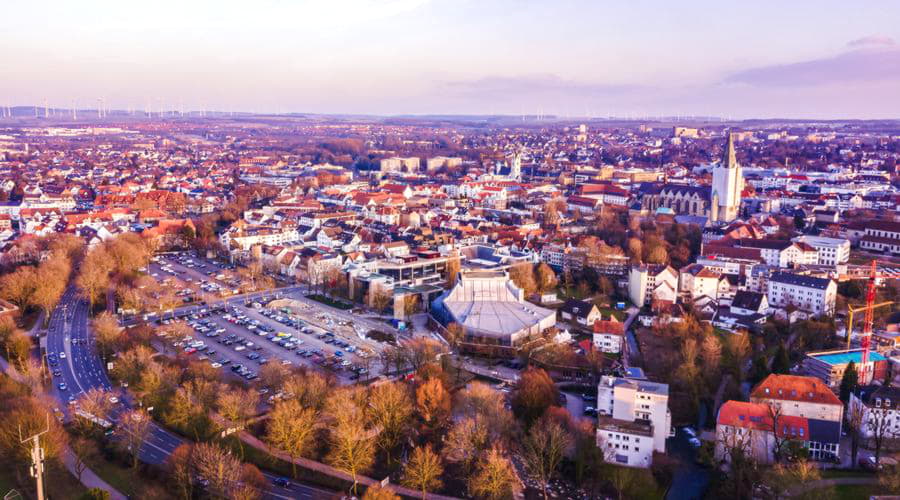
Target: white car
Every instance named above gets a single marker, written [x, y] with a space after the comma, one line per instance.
[216, 365]
[113, 399]
[286, 362]
[62, 355]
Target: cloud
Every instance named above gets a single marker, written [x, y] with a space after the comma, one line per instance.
[864, 65]
[872, 41]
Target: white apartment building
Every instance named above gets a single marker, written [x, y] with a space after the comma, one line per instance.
[398, 164]
[646, 283]
[880, 408]
[247, 237]
[799, 396]
[832, 251]
[778, 253]
[634, 420]
[437, 162]
[807, 293]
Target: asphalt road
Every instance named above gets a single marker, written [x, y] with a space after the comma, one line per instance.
[82, 369]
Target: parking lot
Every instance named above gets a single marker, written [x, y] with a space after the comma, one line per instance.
[241, 337]
[193, 273]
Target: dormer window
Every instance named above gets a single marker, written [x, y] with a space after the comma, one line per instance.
[767, 390]
[877, 402]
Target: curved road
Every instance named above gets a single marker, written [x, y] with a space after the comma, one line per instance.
[82, 369]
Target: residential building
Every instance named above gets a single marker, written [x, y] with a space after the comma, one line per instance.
[648, 283]
[814, 295]
[637, 409]
[831, 251]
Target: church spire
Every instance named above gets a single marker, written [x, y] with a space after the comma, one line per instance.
[729, 158]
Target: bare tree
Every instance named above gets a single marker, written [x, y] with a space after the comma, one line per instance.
[380, 300]
[107, 332]
[309, 389]
[855, 424]
[133, 430]
[292, 428]
[180, 466]
[82, 450]
[423, 471]
[93, 275]
[95, 403]
[433, 402]
[465, 442]
[391, 409]
[880, 427]
[219, 467]
[352, 444]
[378, 492]
[494, 476]
[543, 450]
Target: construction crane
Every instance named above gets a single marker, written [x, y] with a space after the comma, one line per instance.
[869, 309]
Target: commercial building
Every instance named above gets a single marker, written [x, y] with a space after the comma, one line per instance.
[493, 313]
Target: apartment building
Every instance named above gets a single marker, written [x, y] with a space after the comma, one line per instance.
[634, 419]
[880, 407]
[831, 251]
[799, 396]
[652, 282]
[813, 295]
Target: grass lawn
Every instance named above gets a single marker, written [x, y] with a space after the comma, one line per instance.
[122, 478]
[331, 302]
[60, 483]
[834, 473]
[854, 491]
[7, 481]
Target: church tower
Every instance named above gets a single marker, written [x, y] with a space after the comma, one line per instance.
[727, 184]
[515, 171]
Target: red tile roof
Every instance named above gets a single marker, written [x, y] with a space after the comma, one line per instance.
[795, 388]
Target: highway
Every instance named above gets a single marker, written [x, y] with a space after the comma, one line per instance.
[82, 369]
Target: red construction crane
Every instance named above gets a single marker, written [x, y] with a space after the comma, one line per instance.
[869, 308]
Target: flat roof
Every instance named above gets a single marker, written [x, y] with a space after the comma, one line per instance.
[843, 358]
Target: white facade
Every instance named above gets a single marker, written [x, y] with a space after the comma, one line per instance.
[647, 282]
[831, 251]
[727, 184]
[628, 400]
[814, 295]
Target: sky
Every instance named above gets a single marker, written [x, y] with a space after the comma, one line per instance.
[597, 58]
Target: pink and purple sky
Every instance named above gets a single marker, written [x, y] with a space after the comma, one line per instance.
[794, 59]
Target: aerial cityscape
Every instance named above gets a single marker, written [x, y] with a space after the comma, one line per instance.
[425, 249]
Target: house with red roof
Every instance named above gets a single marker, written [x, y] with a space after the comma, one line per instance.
[608, 335]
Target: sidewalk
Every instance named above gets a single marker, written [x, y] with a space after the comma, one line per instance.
[88, 478]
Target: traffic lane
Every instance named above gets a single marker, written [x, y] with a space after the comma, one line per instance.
[296, 489]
